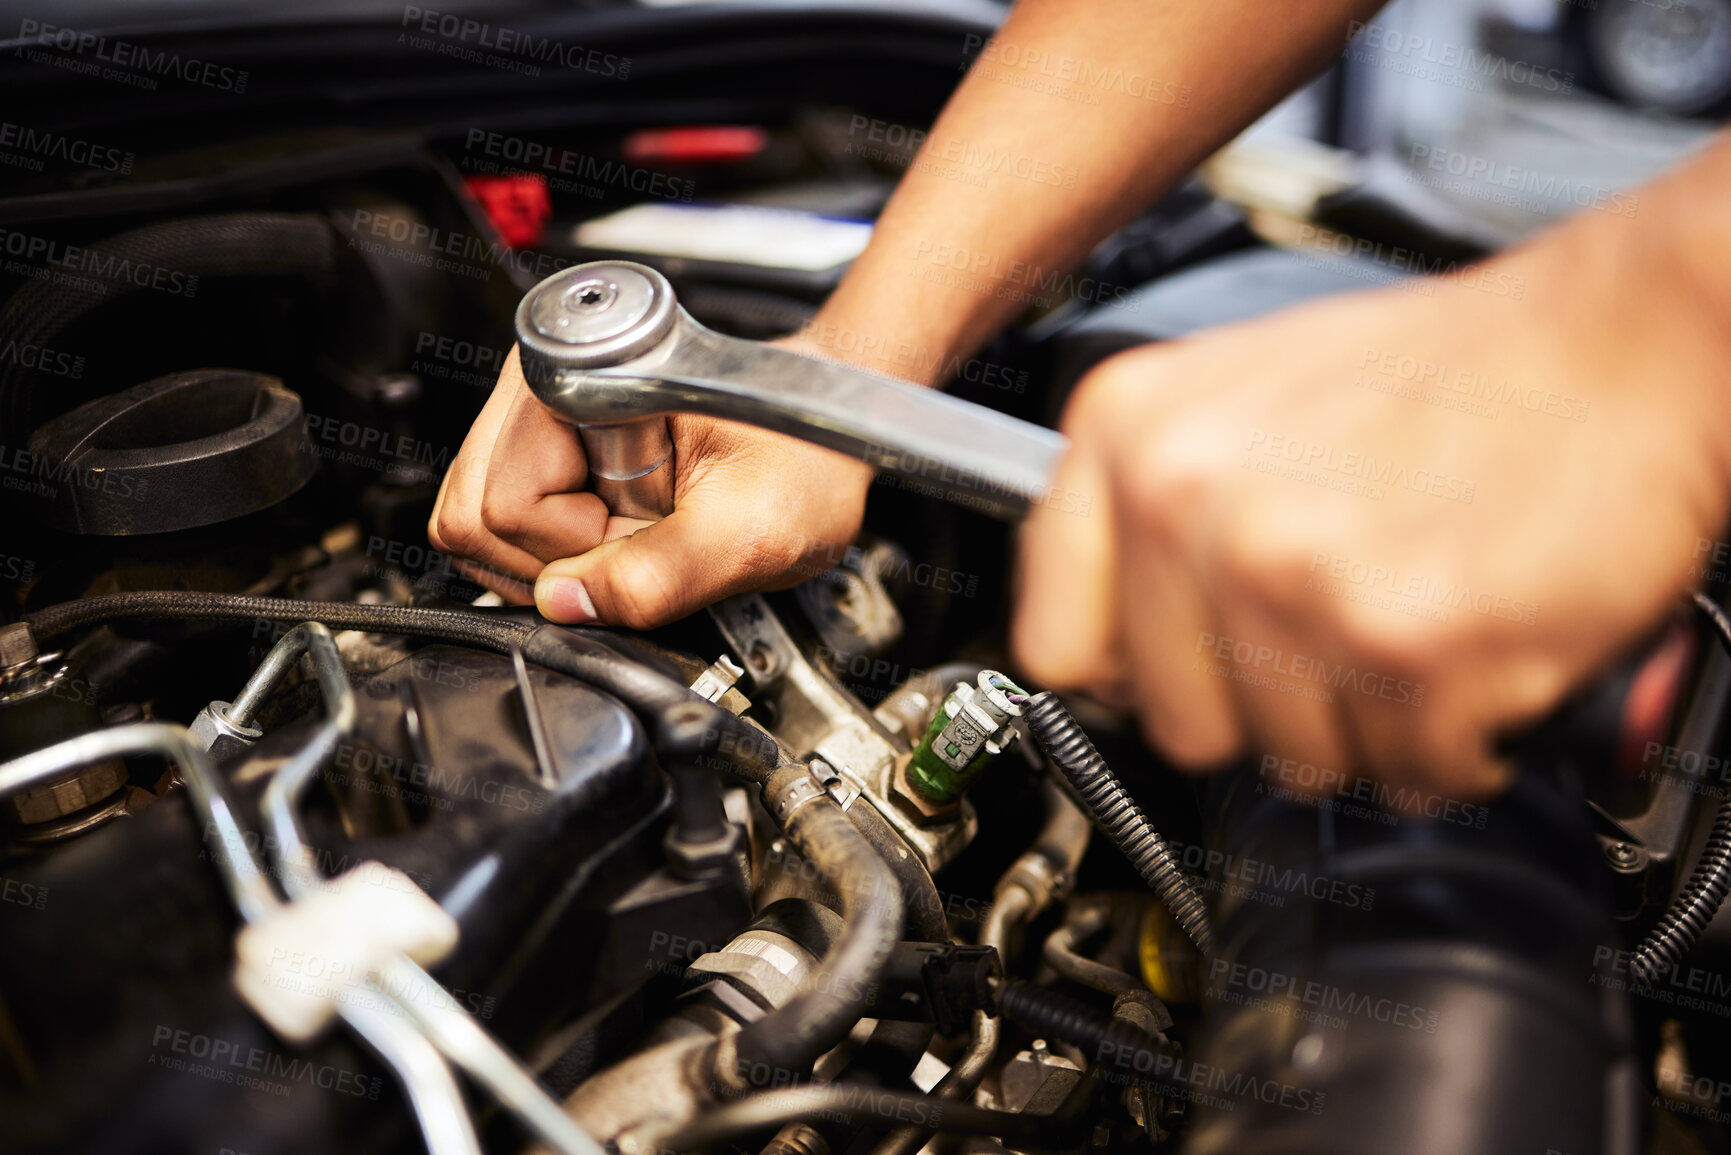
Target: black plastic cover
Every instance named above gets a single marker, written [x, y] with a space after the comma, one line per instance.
[185, 450]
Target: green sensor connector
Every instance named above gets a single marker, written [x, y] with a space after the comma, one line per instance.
[973, 727]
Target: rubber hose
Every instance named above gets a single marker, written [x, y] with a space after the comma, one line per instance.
[788, 1040]
[921, 902]
[752, 753]
[1117, 815]
[217, 245]
[1062, 956]
[687, 744]
[1106, 1041]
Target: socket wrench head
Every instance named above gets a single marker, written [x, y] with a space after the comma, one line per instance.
[591, 316]
[595, 316]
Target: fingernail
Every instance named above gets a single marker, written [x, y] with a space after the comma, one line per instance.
[564, 600]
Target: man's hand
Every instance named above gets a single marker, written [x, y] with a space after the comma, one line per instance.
[1374, 533]
[752, 510]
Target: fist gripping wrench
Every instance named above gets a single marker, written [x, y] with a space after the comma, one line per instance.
[607, 348]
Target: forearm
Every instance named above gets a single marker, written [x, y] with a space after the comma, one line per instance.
[1641, 293]
[1691, 207]
[1148, 89]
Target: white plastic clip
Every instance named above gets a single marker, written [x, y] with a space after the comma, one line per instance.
[297, 966]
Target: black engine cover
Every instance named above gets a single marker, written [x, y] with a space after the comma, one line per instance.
[119, 1029]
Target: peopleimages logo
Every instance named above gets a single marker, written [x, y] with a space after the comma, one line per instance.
[226, 1061]
[1040, 70]
[32, 473]
[1367, 473]
[1515, 185]
[1040, 285]
[1305, 781]
[1425, 271]
[1258, 880]
[956, 158]
[46, 256]
[28, 355]
[915, 360]
[498, 152]
[1351, 578]
[1472, 383]
[470, 255]
[1458, 65]
[34, 145]
[1254, 657]
[482, 43]
[1238, 979]
[124, 55]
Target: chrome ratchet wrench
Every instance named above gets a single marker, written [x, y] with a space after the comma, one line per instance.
[606, 346]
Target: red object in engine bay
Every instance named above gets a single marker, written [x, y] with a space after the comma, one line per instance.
[518, 205]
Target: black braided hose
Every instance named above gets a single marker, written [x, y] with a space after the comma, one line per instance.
[1117, 815]
[748, 752]
[459, 626]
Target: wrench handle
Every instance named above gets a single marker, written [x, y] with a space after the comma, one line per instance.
[605, 345]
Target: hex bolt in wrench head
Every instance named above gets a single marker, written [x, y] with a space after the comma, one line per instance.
[598, 314]
[595, 315]
[607, 348]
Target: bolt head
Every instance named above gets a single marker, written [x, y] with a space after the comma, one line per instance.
[17, 644]
[1622, 854]
[594, 315]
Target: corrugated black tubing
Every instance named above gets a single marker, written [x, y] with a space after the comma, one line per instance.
[1117, 815]
[1680, 929]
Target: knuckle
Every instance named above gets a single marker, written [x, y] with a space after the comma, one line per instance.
[501, 517]
[1535, 688]
[1113, 386]
[769, 556]
[1061, 654]
[1441, 753]
[1178, 478]
[1266, 558]
[434, 537]
[643, 594]
[1396, 645]
[455, 534]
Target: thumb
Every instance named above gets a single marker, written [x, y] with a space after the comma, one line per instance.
[663, 571]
